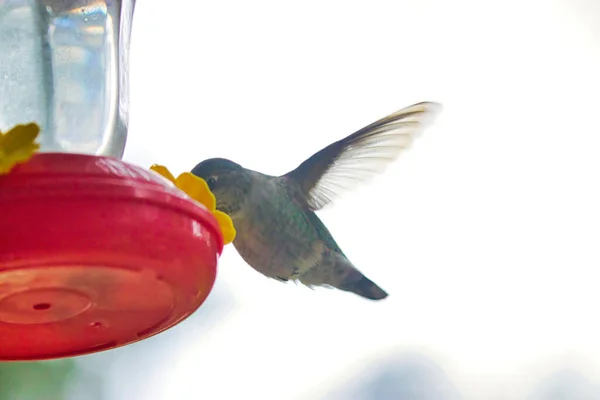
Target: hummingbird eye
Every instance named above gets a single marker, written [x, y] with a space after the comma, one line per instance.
[212, 181]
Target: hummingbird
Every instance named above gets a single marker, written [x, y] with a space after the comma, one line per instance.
[278, 232]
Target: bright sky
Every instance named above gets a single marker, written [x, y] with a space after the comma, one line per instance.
[485, 233]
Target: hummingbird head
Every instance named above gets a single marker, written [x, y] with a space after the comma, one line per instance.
[229, 182]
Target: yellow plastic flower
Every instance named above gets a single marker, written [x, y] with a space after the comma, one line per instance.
[198, 189]
[17, 146]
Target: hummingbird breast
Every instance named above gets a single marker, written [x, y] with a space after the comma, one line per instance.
[274, 236]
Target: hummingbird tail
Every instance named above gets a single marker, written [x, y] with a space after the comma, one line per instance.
[363, 286]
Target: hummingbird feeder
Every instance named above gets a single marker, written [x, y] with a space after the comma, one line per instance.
[95, 253]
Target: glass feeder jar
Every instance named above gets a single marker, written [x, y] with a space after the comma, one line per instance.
[64, 65]
[95, 253]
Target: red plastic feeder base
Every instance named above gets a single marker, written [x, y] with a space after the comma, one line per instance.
[95, 254]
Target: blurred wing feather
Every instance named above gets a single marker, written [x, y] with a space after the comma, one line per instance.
[356, 159]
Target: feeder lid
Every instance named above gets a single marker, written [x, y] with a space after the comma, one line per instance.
[96, 253]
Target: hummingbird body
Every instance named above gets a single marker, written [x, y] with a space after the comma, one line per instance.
[281, 240]
[277, 230]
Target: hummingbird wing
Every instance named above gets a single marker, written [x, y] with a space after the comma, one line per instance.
[342, 165]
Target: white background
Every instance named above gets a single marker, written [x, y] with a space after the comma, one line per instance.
[485, 233]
